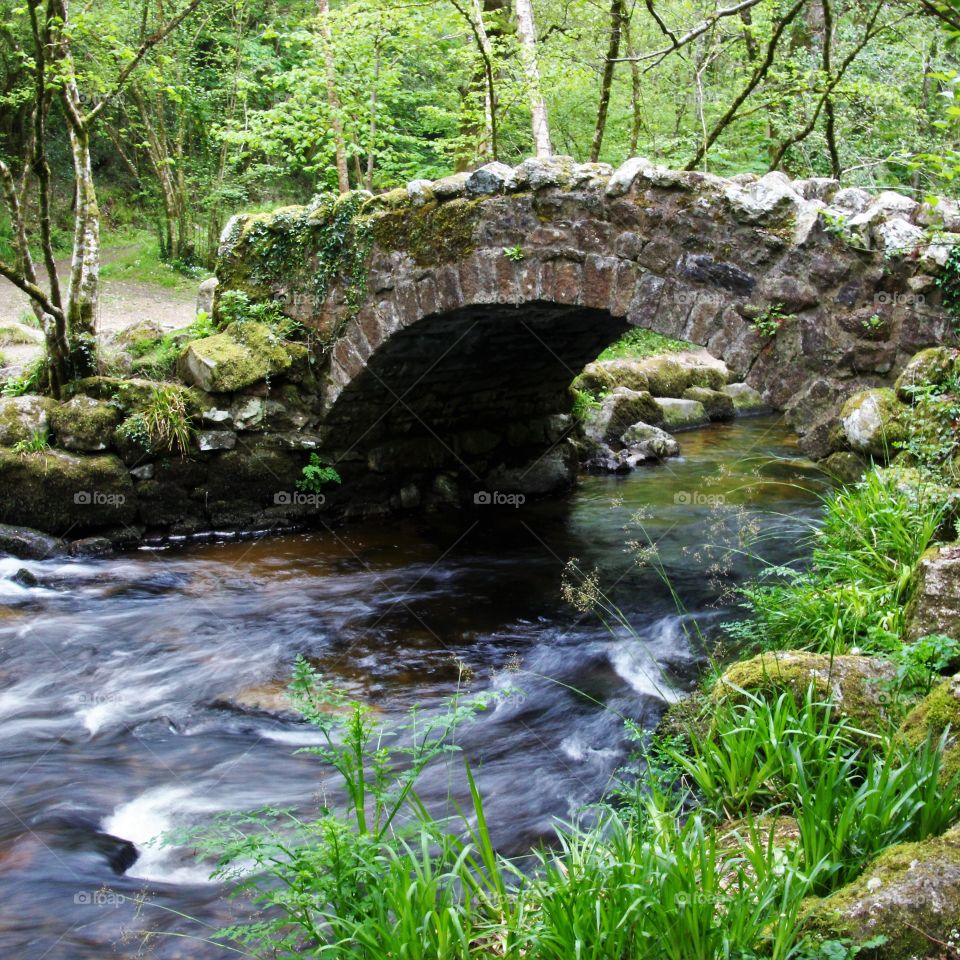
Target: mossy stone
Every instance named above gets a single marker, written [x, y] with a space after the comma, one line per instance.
[60, 492]
[84, 424]
[666, 377]
[845, 466]
[873, 422]
[938, 710]
[929, 367]
[431, 234]
[23, 417]
[718, 405]
[910, 894]
[857, 685]
[934, 606]
[607, 421]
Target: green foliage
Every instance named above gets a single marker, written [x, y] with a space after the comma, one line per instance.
[768, 322]
[316, 474]
[163, 423]
[514, 253]
[638, 342]
[853, 593]
[948, 280]
[30, 381]
[37, 443]
[922, 662]
[583, 402]
[933, 442]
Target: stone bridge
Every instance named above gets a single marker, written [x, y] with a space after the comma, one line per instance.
[451, 316]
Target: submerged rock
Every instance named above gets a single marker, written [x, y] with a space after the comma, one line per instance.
[859, 686]
[555, 470]
[844, 466]
[910, 894]
[873, 422]
[935, 604]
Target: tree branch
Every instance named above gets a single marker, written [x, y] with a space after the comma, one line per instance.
[30, 289]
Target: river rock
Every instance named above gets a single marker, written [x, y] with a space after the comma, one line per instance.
[745, 399]
[606, 422]
[59, 491]
[844, 466]
[910, 895]
[22, 418]
[935, 603]
[857, 685]
[651, 441]
[682, 414]
[872, 422]
[90, 547]
[719, 405]
[28, 544]
[554, 471]
[209, 440]
[84, 424]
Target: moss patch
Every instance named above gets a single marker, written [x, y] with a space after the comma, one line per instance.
[938, 710]
[430, 234]
[84, 424]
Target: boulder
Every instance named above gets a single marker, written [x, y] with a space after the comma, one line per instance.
[242, 355]
[622, 179]
[769, 200]
[84, 424]
[745, 399]
[27, 544]
[420, 192]
[56, 491]
[596, 378]
[857, 685]
[872, 422]
[23, 417]
[929, 367]
[450, 187]
[719, 405]
[651, 441]
[551, 472]
[844, 466]
[682, 414]
[618, 410]
[910, 895]
[666, 376]
[209, 440]
[935, 602]
[492, 178]
[938, 710]
[624, 373]
[205, 294]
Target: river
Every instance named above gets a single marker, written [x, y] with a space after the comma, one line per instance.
[142, 692]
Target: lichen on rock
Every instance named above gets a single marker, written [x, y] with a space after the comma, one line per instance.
[934, 606]
[22, 418]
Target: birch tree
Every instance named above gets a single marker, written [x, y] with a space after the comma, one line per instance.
[527, 35]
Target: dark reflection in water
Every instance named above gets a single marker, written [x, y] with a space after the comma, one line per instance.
[144, 692]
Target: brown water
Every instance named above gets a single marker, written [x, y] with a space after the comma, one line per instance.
[140, 693]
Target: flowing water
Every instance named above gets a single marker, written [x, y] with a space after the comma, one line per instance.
[143, 693]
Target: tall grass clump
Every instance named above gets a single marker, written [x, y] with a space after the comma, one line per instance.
[855, 588]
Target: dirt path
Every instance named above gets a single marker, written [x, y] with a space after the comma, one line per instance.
[123, 303]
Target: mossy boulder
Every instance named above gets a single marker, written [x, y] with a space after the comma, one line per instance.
[938, 710]
[84, 424]
[626, 373]
[23, 417]
[927, 368]
[244, 354]
[607, 421]
[719, 406]
[872, 422]
[910, 894]
[666, 377]
[935, 596]
[28, 544]
[845, 466]
[59, 492]
[594, 379]
[859, 686]
[746, 400]
[677, 414]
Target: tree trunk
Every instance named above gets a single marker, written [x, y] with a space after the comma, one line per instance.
[617, 16]
[527, 34]
[333, 100]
